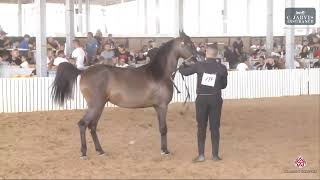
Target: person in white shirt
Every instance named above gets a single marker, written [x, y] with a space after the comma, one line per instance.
[243, 66]
[122, 63]
[78, 54]
[60, 59]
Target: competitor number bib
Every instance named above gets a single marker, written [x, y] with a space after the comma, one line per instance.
[208, 79]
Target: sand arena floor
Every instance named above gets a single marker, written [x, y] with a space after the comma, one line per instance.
[259, 139]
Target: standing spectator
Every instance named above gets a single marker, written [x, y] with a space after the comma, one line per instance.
[91, 48]
[78, 54]
[4, 41]
[238, 47]
[140, 58]
[202, 51]
[99, 37]
[305, 50]
[107, 56]
[230, 57]
[14, 59]
[110, 41]
[123, 54]
[24, 44]
[53, 44]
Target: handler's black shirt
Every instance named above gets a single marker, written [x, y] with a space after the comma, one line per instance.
[210, 66]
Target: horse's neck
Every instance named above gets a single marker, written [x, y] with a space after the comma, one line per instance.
[171, 65]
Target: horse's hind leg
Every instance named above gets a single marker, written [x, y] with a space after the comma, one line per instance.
[93, 131]
[93, 114]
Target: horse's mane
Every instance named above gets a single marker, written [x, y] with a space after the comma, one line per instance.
[159, 61]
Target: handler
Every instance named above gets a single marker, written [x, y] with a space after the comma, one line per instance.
[212, 77]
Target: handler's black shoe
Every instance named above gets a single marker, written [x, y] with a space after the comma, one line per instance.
[200, 158]
[216, 158]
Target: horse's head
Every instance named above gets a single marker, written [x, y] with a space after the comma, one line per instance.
[186, 48]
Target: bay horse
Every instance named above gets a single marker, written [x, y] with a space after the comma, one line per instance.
[150, 85]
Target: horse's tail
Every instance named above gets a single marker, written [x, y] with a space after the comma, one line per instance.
[62, 87]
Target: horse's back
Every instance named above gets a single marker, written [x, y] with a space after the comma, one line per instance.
[125, 87]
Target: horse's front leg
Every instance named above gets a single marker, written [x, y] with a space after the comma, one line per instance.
[162, 113]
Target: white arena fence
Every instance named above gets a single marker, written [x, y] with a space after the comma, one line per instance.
[34, 94]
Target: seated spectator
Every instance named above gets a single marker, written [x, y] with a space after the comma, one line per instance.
[14, 59]
[60, 58]
[122, 63]
[243, 66]
[122, 53]
[25, 63]
[16, 45]
[3, 61]
[140, 58]
[260, 64]
[78, 54]
[316, 64]
[53, 44]
[305, 50]
[4, 58]
[91, 48]
[270, 64]
[107, 56]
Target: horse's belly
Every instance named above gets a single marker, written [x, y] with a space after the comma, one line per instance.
[131, 100]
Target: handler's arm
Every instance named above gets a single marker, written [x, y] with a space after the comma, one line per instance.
[187, 70]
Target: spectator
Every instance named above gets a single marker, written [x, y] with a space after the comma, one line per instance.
[3, 60]
[98, 36]
[305, 50]
[60, 58]
[4, 41]
[238, 47]
[14, 59]
[140, 58]
[91, 48]
[25, 63]
[316, 64]
[53, 44]
[202, 51]
[122, 63]
[110, 41]
[270, 64]
[243, 66]
[260, 64]
[24, 44]
[78, 54]
[123, 54]
[107, 56]
[50, 57]
[230, 57]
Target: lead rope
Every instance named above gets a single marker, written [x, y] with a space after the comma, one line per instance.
[188, 97]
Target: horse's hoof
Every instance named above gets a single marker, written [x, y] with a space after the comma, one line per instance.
[84, 157]
[102, 154]
[165, 153]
